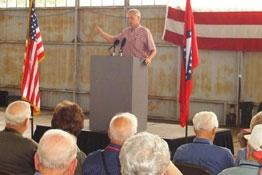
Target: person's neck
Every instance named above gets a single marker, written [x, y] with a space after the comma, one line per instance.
[135, 26]
[44, 171]
[120, 143]
[204, 135]
[21, 130]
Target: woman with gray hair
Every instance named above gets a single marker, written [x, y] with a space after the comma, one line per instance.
[146, 154]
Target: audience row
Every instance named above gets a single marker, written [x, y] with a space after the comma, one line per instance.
[129, 152]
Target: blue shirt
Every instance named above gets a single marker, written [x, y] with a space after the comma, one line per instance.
[241, 155]
[93, 164]
[244, 168]
[204, 152]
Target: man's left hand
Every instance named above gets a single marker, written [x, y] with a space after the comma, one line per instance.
[147, 61]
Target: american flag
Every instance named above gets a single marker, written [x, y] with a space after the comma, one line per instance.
[34, 54]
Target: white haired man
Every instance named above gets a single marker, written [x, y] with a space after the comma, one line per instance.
[252, 164]
[145, 154]
[56, 153]
[104, 162]
[139, 40]
[16, 151]
[202, 151]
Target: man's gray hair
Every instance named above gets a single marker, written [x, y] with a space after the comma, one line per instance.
[123, 132]
[144, 154]
[17, 112]
[56, 149]
[205, 120]
[136, 11]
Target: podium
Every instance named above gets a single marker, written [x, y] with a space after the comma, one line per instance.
[118, 84]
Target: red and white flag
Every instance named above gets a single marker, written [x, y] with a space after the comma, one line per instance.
[220, 24]
[34, 54]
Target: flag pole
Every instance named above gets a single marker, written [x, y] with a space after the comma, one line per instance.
[28, 38]
[186, 132]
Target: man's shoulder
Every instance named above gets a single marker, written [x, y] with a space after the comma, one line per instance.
[18, 139]
[221, 149]
[93, 157]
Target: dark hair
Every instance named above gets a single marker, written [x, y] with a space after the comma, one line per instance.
[69, 117]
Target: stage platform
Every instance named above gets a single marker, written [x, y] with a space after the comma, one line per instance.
[174, 134]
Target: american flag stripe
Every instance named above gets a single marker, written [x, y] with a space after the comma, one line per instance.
[34, 53]
[218, 30]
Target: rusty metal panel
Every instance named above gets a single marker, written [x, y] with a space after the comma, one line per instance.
[252, 79]
[217, 108]
[56, 25]
[51, 99]
[13, 25]
[163, 73]
[216, 76]
[11, 64]
[84, 101]
[57, 69]
[162, 108]
[109, 19]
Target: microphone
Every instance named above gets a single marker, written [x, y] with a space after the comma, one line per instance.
[114, 46]
[123, 42]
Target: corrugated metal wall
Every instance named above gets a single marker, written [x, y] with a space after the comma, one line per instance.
[64, 74]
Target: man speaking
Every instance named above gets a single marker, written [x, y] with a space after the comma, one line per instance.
[138, 39]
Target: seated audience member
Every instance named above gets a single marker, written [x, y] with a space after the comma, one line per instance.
[146, 154]
[16, 151]
[241, 153]
[69, 117]
[104, 162]
[246, 131]
[252, 164]
[202, 151]
[56, 153]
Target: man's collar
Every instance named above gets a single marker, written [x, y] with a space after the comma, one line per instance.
[202, 140]
[247, 162]
[12, 130]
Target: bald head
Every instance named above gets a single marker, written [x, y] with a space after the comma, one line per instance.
[17, 112]
[56, 149]
[122, 126]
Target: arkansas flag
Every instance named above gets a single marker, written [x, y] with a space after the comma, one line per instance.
[188, 63]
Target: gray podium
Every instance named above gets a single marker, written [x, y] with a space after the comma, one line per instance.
[118, 84]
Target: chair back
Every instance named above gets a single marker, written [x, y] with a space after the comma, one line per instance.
[191, 169]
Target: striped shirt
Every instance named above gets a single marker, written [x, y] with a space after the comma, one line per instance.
[139, 42]
[93, 164]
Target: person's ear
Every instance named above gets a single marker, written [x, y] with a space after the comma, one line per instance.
[214, 131]
[72, 167]
[108, 133]
[37, 163]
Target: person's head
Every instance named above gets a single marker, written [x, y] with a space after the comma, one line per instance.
[121, 127]
[257, 119]
[143, 154]
[56, 153]
[254, 147]
[69, 117]
[17, 115]
[205, 124]
[134, 17]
